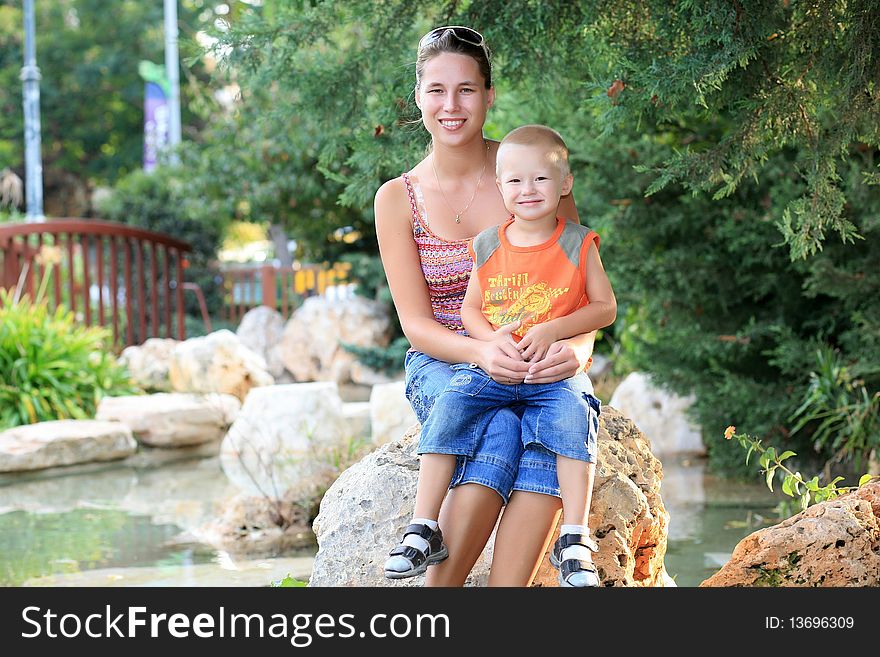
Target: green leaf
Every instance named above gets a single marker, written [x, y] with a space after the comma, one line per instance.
[813, 484]
[786, 485]
[786, 454]
[865, 478]
[289, 582]
[805, 501]
[749, 453]
[770, 474]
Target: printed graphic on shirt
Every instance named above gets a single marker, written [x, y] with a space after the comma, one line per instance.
[513, 298]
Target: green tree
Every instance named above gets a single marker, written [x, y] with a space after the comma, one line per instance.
[727, 152]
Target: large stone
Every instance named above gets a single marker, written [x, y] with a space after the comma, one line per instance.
[659, 414]
[286, 441]
[217, 362]
[257, 526]
[63, 442]
[311, 348]
[834, 543]
[261, 330]
[150, 362]
[357, 418]
[390, 412]
[172, 419]
[364, 512]
[367, 376]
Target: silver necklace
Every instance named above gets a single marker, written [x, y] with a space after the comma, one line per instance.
[473, 196]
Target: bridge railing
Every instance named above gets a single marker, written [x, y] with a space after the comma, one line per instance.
[108, 274]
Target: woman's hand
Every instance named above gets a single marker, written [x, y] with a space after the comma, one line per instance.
[501, 359]
[564, 359]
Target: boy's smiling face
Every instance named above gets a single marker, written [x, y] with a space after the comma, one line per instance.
[530, 182]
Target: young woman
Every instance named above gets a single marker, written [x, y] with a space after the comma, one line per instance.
[424, 221]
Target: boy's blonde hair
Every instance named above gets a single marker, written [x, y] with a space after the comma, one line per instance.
[538, 135]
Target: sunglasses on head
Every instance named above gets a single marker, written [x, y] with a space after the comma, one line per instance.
[464, 34]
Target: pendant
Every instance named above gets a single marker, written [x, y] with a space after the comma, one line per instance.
[458, 218]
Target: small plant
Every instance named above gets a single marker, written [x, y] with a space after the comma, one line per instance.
[844, 416]
[52, 368]
[288, 582]
[793, 484]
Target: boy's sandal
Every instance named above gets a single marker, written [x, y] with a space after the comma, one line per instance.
[418, 560]
[570, 567]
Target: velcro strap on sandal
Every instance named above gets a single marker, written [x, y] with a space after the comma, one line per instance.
[567, 540]
[422, 530]
[415, 555]
[570, 566]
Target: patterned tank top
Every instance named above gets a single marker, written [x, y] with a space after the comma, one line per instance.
[446, 264]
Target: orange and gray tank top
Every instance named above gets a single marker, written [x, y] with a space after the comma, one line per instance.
[446, 264]
[532, 284]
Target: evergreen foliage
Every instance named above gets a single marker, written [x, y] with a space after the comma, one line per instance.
[726, 151]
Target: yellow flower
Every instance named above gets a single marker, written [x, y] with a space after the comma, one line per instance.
[48, 255]
[729, 431]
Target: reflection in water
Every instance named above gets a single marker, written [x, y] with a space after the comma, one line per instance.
[708, 516]
[115, 517]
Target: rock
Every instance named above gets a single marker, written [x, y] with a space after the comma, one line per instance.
[261, 330]
[217, 362]
[834, 543]
[367, 376]
[600, 367]
[257, 526]
[63, 442]
[311, 348]
[364, 512]
[172, 419]
[286, 441]
[390, 412]
[357, 417]
[627, 516]
[149, 363]
[659, 414]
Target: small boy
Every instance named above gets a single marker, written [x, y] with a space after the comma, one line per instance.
[536, 279]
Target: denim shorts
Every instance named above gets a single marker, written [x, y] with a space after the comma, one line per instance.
[555, 415]
[498, 458]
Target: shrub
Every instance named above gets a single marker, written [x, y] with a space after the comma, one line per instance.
[53, 368]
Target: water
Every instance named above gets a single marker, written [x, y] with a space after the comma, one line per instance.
[126, 524]
[708, 517]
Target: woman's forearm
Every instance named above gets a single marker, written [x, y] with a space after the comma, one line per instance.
[435, 340]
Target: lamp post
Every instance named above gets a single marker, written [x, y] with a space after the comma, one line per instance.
[30, 76]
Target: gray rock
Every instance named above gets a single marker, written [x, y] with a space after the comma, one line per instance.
[172, 419]
[661, 415]
[261, 330]
[364, 512]
[390, 412]
[311, 348]
[63, 442]
[149, 363]
[217, 362]
[285, 441]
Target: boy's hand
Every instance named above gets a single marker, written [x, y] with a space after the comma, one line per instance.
[537, 341]
[503, 335]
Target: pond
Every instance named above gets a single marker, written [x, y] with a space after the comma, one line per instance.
[708, 516]
[119, 524]
[126, 524]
